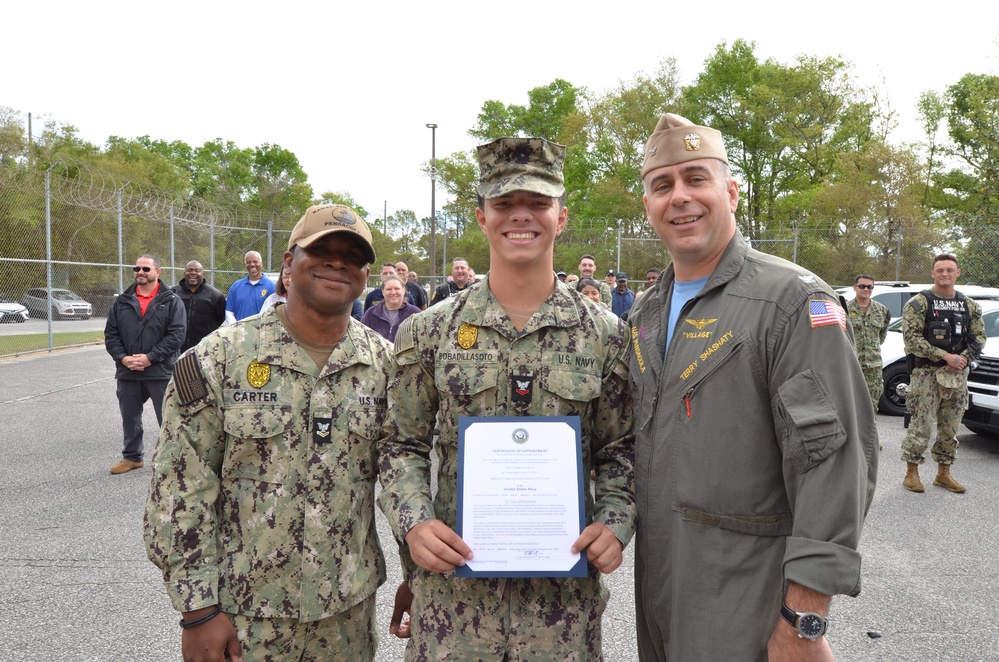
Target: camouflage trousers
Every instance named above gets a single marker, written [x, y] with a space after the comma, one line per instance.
[349, 636]
[875, 384]
[926, 401]
[532, 619]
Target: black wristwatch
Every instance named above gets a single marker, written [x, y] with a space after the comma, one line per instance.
[808, 625]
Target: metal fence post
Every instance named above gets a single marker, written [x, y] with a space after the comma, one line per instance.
[898, 254]
[618, 267]
[121, 248]
[48, 245]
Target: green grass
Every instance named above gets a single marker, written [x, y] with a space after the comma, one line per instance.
[23, 344]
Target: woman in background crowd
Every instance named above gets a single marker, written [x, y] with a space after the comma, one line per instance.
[386, 316]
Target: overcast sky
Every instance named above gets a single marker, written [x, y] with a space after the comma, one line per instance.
[350, 86]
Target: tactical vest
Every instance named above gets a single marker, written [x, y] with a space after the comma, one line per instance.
[947, 325]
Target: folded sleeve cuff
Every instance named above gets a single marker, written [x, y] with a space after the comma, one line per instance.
[825, 567]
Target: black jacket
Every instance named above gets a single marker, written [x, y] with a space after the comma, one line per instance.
[205, 311]
[159, 334]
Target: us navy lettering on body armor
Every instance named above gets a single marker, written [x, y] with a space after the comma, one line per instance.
[947, 321]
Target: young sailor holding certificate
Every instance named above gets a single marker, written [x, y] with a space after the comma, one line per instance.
[520, 343]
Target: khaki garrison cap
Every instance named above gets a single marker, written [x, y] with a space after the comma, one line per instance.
[521, 164]
[321, 220]
[677, 140]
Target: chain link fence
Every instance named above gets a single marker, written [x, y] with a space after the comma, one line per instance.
[80, 229]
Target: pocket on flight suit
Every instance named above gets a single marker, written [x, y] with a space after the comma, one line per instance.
[812, 429]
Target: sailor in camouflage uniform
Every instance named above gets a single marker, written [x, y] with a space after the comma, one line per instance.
[521, 344]
[870, 321]
[262, 500]
[943, 331]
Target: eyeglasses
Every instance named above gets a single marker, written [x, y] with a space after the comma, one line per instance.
[865, 287]
[138, 269]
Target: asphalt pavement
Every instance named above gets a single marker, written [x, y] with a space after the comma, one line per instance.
[75, 583]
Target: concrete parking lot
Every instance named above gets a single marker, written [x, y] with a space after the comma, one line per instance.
[75, 583]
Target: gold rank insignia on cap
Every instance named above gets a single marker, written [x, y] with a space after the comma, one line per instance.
[258, 374]
[692, 142]
[467, 335]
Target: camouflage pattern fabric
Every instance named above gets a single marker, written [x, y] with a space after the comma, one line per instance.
[350, 636]
[927, 400]
[870, 328]
[605, 293]
[875, 384]
[262, 496]
[462, 358]
[520, 164]
[515, 620]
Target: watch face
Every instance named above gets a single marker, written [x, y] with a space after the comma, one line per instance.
[811, 626]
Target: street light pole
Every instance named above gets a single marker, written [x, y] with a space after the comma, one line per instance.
[433, 206]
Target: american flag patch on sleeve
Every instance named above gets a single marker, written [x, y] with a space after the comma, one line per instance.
[826, 313]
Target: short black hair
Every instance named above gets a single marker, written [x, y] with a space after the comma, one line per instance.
[859, 276]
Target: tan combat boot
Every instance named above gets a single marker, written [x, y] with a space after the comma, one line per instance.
[946, 481]
[911, 481]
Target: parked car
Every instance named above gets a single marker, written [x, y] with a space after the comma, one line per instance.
[101, 297]
[11, 311]
[983, 381]
[65, 304]
[894, 294]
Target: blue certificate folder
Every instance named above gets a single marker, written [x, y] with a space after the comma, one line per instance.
[519, 442]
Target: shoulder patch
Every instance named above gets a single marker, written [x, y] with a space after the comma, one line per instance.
[404, 339]
[190, 384]
[917, 302]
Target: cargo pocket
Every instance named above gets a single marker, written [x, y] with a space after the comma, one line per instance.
[256, 444]
[813, 430]
[570, 391]
[364, 425]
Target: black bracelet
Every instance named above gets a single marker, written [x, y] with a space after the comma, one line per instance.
[201, 621]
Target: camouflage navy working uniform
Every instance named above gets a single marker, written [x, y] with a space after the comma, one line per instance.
[262, 498]
[461, 358]
[870, 328]
[926, 398]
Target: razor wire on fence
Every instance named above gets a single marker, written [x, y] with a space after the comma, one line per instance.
[74, 227]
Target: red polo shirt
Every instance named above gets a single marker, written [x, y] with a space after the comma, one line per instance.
[144, 300]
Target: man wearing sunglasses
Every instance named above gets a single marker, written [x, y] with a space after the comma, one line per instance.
[870, 328]
[145, 329]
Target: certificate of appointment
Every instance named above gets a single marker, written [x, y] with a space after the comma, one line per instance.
[520, 495]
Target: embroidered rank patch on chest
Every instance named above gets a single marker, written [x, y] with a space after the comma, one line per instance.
[258, 374]
[467, 335]
[826, 313]
[321, 429]
[522, 388]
